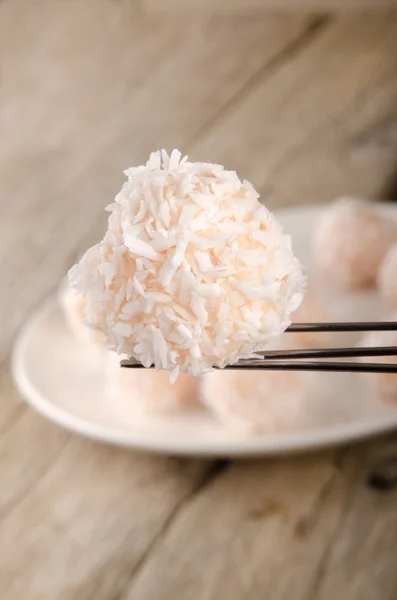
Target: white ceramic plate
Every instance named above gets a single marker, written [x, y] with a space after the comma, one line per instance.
[64, 382]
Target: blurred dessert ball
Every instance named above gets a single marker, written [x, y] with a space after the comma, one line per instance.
[254, 402]
[73, 308]
[147, 391]
[387, 277]
[350, 242]
[312, 310]
[384, 384]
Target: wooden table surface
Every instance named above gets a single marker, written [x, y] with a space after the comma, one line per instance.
[305, 107]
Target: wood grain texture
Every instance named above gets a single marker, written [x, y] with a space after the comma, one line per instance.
[306, 526]
[308, 133]
[91, 516]
[243, 6]
[88, 88]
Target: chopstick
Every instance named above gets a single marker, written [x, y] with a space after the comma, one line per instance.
[290, 360]
[258, 365]
[342, 327]
[350, 367]
[330, 353]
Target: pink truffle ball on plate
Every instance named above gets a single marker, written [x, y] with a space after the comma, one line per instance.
[312, 310]
[387, 277]
[384, 384]
[350, 242]
[254, 402]
[146, 391]
[73, 308]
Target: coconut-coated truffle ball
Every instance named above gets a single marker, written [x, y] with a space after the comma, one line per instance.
[350, 242]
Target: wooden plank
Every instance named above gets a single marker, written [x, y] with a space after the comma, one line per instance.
[364, 543]
[245, 6]
[248, 549]
[83, 526]
[306, 133]
[307, 524]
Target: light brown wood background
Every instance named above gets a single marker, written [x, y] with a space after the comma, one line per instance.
[302, 104]
[244, 6]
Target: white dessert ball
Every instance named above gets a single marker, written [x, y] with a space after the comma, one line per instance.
[312, 310]
[384, 384]
[146, 391]
[73, 308]
[255, 402]
[350, 242]
[387, 277]
[193, 272]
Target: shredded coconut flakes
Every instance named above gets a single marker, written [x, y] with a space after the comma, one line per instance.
[192, 272]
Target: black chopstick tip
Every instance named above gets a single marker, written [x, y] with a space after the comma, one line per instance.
[342, 327]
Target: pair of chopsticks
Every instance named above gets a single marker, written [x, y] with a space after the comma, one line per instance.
[309, 360]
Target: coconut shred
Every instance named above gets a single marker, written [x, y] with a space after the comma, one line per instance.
[193, 271]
